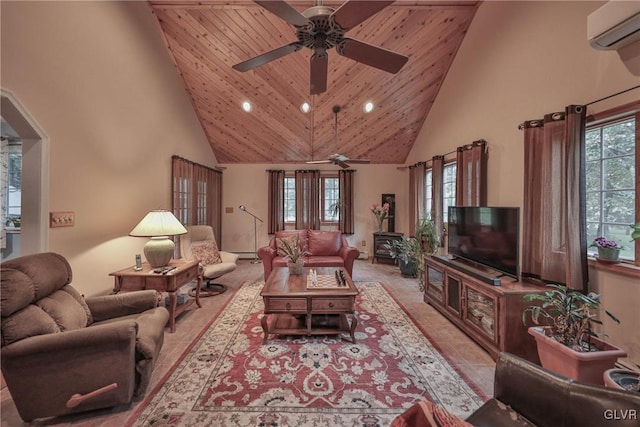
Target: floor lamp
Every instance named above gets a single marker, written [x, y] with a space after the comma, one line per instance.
[255, 234]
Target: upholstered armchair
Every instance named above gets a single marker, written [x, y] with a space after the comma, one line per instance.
[200, 243]
[62, 353]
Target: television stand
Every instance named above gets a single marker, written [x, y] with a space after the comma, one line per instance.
[485, 274]
[490, 315]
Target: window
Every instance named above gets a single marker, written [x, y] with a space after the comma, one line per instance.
[14, 192]
[611, 177]
[289, 199]
[448, 189]
[330, 196]
[428, 193]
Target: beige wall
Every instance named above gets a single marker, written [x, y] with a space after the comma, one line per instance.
[519, 61]
[97, 78]
[247, 185]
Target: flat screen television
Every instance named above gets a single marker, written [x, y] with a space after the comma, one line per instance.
[488, 236]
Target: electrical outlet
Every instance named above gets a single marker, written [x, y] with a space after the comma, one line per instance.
[62, 219]
[364, 243]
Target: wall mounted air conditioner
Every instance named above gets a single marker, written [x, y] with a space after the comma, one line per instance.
[614, 25]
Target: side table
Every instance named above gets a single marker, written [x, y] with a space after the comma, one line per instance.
[131, 279]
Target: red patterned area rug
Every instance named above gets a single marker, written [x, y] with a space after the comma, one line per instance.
[228, 377]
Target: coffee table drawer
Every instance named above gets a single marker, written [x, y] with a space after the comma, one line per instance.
[327, 305]
[284, 305]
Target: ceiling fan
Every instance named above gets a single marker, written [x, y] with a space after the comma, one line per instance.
[338, 159]
[321, 28]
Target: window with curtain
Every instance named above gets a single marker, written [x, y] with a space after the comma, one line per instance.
[471, 171]
[554, 238]
[448, 189]
[289, 199]
[329, 199]
[311, 198]
[613, 177]
[197, 194]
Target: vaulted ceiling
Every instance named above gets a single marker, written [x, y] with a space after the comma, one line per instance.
[206, 38]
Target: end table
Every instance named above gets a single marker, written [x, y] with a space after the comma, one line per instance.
[131, 279]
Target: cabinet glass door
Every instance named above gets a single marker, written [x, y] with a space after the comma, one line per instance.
[453, 293]
[434, 283]
[481, 312]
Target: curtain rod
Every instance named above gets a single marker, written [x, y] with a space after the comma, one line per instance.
[615, 94]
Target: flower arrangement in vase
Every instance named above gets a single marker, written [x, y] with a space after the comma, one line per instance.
[608, 249]
[381, 212]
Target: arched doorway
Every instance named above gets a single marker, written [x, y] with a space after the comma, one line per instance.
[34, 236]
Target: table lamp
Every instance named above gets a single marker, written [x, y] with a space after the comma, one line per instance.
[159, 225]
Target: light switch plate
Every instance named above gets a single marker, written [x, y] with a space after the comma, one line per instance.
[62, 219]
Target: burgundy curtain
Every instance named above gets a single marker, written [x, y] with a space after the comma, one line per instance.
[437, 170]
[471, 174]
[416, 195]
[276, 201]
[307, 199]
[197, 195]
[554, 225]
[345, 181]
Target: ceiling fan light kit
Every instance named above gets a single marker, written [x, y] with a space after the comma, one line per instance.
[320, 28]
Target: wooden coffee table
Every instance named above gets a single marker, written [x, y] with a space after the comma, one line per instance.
[296, 309]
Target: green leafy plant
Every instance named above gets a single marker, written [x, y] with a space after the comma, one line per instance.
[291, 250]
[404, 249]
[427, 234]
[569, 314]
[636, 231]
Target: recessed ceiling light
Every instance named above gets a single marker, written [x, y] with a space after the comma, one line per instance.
[247, 107]
[305, 107]
[368, 107]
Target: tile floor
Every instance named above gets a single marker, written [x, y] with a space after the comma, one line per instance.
[472, 360]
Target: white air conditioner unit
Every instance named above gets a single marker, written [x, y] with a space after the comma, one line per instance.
[614, 25]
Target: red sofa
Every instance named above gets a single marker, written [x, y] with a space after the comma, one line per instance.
[325, 249]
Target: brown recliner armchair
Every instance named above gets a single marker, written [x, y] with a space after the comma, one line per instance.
[61, 353]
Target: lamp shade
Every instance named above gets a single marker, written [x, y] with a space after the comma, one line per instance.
[158, 223]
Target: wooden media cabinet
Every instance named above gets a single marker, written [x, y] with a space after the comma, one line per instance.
[486, 307]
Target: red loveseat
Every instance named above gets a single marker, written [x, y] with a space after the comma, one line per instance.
[324, 248]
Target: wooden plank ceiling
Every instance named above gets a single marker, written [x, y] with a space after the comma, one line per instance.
[206, 38]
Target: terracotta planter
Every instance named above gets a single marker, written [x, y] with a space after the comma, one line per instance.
[621, 379]
[587, 367]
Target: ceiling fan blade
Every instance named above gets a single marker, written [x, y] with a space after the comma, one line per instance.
[284, 11]
[343, 165]
[373, 56]
[360, 161]
[318, 162]
[319, 66]
[352, 13]
[267, 57]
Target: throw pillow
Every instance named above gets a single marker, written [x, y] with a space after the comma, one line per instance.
[428, 414]
[207, 253]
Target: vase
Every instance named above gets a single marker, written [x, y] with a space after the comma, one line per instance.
[609, 254]
[296, 268]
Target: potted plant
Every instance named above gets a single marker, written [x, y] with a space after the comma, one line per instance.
[290, 248]
[608, 249]
[427, 234]
[635, 234]
[406, 250]
[623, 379]
[567, 343]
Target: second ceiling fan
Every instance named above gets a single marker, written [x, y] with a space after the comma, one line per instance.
[321, 28]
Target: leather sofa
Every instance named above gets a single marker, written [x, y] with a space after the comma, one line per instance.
[526, 394]
[62, 353]
[324, 248]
